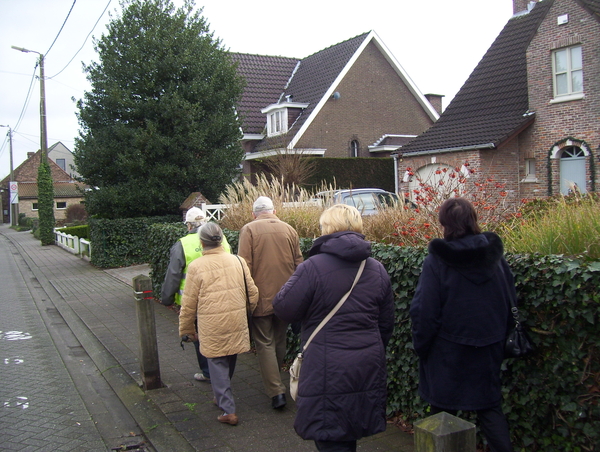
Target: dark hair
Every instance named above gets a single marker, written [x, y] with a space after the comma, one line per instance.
[459, 219]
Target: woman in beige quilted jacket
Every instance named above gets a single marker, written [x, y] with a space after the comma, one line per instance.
[218, 292]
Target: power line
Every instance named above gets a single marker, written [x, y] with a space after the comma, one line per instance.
[61, 28]
[85, 40]
[27, 99]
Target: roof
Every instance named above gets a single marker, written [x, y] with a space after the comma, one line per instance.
[493, 103]
[28, 170]
[194, 199]
[61, 190]
[266, 78]
[312, 80]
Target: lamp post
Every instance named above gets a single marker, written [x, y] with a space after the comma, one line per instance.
[43, 133]
[14, 208]
[44, 181]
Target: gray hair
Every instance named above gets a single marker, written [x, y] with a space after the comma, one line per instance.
[263, 204]
[211, 235]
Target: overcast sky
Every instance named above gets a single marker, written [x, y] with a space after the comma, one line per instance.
[437, 42]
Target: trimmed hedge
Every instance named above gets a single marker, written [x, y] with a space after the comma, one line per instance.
[122, 242]
[82, 231]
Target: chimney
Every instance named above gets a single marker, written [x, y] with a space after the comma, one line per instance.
[436, 101]
[521, 6]
[30, 154]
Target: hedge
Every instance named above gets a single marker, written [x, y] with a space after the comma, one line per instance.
[552, 398]
[122, 242]
[81, 231]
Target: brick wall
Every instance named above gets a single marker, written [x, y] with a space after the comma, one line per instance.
[555, 123]
[373, 101]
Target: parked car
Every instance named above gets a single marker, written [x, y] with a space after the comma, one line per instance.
[367, 200]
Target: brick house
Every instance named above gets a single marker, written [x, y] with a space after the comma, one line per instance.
[352, 99]
[528, 116]
[66, 191]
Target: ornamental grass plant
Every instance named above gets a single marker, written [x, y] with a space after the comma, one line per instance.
[563, 225]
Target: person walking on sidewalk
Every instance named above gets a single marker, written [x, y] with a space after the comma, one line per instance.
[183, 252]
[342, 391]
[219, 291]
[271, 248]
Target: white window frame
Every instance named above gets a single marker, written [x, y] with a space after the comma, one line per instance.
[570, 94]
[34, 206]
[64, 164]
[277, 123]
[61, 202]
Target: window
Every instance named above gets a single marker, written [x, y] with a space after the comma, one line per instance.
[277, 123]
[530, 171]
[62, 164]
[34, 206]
[567, 67]
[61, 205]
[354, 148]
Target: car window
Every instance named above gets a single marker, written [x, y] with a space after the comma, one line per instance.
[387, 199]
[364, 202]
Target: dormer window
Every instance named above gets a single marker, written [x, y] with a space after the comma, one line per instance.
[277, 123]
[280, 117]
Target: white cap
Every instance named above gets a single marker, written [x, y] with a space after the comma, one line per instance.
[194, 215]
[262, 203]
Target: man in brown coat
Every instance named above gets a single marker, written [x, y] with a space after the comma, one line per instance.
[271, 248]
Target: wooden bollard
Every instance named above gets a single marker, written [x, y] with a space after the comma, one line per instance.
[144, 307]
[444, 432]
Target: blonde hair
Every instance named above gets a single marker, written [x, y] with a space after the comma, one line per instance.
[341, 217]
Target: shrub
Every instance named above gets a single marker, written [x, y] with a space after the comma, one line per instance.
[75, 213]
[559, 225]
[81, 231]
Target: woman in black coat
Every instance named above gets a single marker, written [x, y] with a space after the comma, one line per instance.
[342, 391]
[460, 314]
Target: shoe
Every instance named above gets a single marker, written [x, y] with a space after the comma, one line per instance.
[278, 401]
[230, 419]
[201, 377]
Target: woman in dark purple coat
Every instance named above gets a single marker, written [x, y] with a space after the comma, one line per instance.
[342, 391]
[460, 314]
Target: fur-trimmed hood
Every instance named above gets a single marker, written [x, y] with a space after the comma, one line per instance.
[475, 256]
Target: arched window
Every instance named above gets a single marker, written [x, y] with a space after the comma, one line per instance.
[354, 147]
[572, 170]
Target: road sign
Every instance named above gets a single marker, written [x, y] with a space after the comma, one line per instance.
[14, 192]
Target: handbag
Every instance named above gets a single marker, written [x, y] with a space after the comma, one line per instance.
[517, 342]
[297, 364]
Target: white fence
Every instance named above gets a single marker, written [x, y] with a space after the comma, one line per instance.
[73, 244]
[213, 212]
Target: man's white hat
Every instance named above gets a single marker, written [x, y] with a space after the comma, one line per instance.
[194, 215]
[262, 203]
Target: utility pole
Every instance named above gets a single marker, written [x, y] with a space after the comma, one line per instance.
[45, 186]
[14, 208]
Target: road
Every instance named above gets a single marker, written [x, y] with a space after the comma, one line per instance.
[44, 369]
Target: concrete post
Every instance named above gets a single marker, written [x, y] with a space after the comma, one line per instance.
[443, 432]
[144, 307]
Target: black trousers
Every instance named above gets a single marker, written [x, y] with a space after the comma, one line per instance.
[336, 446]
[493, 425]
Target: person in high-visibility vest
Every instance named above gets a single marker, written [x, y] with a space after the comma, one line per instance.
[182, 253]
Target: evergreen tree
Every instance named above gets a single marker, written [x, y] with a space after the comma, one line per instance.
[159, 121]
[46, 204]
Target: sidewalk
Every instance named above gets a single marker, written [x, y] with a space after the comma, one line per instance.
[99, 308]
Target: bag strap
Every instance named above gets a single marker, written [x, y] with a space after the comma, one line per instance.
[245, 283]
[513, 306]
[337, 306]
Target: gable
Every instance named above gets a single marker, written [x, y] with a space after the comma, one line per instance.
[493, 103]
[28, 171]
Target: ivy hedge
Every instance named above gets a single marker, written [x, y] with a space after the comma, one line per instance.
[551, 398]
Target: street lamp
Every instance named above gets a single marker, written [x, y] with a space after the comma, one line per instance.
[14, 208]
[44, 180]
[43, 133]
